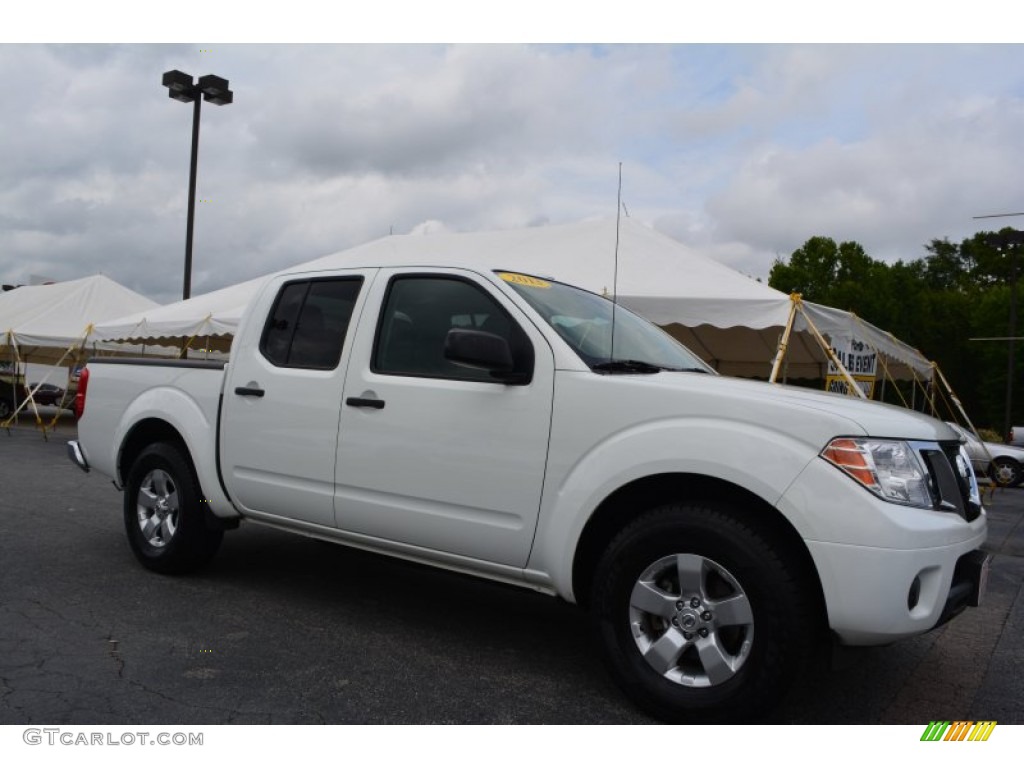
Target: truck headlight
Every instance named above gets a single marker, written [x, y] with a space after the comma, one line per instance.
[890, 469]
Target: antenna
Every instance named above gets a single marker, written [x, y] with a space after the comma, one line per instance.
[615, 278]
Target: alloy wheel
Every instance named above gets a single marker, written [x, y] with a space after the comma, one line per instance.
[691, 620]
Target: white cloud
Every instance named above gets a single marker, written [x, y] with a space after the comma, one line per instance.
[913, 179]
[741, 151]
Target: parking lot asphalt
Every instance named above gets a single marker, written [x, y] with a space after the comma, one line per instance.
[285, 629]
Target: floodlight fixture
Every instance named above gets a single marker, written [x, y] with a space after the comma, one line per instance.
[1002, 241]
[179, 85]
[213, 89]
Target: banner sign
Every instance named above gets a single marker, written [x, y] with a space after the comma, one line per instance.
[860, 361]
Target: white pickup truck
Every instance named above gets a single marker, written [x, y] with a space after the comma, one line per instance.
[519, 429]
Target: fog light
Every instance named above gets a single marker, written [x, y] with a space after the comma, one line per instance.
[914, 595]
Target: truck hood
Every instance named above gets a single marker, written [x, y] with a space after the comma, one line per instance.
[875, 419]
[809, 414]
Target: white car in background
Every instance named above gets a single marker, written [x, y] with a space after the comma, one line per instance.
[1003, 464]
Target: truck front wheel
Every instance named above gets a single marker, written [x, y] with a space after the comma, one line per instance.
[162, 513]
[700, 617]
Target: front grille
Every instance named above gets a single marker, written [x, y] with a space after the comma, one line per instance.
[951, 487]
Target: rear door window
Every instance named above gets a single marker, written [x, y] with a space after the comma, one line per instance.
[308, 323]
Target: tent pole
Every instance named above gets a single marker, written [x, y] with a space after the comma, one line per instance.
[6, 423]
[954, 398]
[70, 350]
[931, 390]
[780, 353]
[833, 358]
[959, 406]
[76, 351]
[27, 400]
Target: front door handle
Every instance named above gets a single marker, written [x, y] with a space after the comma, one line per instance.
[249, 391]
[365, 402]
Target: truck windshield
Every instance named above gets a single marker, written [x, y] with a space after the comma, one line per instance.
[584, 320]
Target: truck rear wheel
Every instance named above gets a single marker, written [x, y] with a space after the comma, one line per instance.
[162, 513]
[700, 617]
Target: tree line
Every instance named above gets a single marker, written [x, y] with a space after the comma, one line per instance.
[936, 303]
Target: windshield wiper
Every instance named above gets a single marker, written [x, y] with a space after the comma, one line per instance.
[627, 366]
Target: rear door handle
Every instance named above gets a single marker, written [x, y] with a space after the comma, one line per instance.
[365, 402]
[249, 391]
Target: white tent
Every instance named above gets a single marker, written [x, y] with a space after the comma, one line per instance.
[41, 323]
[731, 320]
[210, 319]
[839, 323]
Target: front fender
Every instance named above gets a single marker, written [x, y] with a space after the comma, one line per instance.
[751, 457]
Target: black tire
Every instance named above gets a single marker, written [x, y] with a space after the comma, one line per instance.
[5, 409]
[740, 596]
[1006, 472]
[163, 515]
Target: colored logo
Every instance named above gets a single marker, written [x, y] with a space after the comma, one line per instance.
[958, 730]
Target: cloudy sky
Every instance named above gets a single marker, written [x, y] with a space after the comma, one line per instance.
[742, 151]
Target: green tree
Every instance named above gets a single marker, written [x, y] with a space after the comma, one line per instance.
[948, 267]
[810, 271]
[935, 303]
[841, 276]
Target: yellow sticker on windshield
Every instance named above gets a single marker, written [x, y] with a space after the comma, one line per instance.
[530, 282]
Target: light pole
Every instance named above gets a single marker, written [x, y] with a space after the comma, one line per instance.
[181, 88]
[1009, 239]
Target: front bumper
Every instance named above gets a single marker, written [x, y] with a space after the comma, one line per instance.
[877, 596]
[970, 581]
[887, 571]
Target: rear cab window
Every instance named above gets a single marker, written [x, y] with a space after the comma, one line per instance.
[307, 326]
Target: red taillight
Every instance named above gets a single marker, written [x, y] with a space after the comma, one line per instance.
[83, 384]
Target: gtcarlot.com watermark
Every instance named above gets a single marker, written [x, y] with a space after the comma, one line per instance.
[70, 738]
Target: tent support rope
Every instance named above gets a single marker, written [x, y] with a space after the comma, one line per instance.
[825, 346]
[30, 398]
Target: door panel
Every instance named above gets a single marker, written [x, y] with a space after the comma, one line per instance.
[283, 397]
[448, 459]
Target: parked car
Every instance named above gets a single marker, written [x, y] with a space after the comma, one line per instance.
[46, 394]
[1002, 464]
[1016, 436]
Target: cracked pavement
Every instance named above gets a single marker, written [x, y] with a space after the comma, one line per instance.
[285, 629]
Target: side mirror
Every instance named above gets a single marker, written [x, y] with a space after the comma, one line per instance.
[479, 349]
